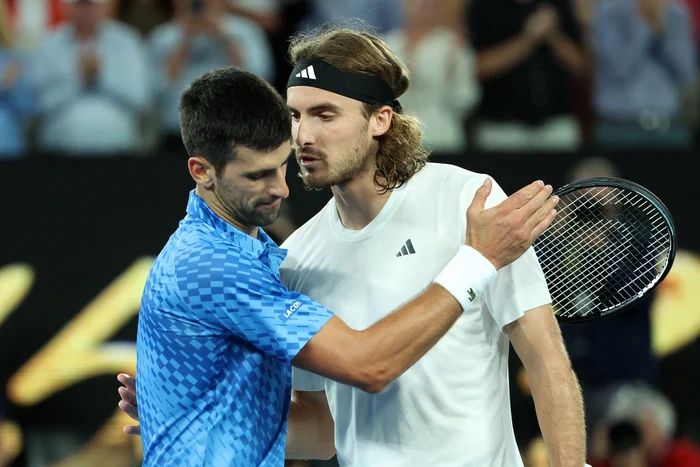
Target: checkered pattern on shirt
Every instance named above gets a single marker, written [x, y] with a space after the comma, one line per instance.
[217, 331]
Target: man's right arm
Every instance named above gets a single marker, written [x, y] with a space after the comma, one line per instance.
[373, 358]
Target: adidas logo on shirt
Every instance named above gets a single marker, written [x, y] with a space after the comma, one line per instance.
[407, 249]
[307, 72]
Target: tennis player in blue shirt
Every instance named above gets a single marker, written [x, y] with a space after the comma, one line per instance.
[218, 332]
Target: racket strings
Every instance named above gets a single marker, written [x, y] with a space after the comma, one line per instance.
[606, 246]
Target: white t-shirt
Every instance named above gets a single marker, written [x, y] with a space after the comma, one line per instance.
[452, 408]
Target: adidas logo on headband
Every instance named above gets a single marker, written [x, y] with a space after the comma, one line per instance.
[307, 72]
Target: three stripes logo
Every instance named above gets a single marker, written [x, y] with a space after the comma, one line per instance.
[307, 72]
[407, 249]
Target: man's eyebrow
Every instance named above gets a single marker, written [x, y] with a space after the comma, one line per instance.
[324, 106]
[292, 155]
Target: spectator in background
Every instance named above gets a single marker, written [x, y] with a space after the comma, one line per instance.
[280, 19]
[653, 415]
[91, 84]
[143, 15]
[201, 38]
[16, 101]
[527, 51]
[644, 57]
[443, 87]
[383, 15]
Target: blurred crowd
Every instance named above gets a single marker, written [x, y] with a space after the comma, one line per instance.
[103, 77]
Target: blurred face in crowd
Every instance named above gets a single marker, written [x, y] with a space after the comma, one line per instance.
[422, 12]
[252, 186]
[197, 7]
[335, 141]
[85, 14]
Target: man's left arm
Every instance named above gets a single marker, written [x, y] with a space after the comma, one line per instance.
[537, 339]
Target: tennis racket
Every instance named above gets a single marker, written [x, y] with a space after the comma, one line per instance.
[611, 243]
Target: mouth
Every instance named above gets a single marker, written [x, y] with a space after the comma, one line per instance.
[306, 160]
[272, 204]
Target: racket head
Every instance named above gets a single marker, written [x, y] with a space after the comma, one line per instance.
[604, 193]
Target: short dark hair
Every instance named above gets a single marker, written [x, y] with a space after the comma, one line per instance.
[229, 108]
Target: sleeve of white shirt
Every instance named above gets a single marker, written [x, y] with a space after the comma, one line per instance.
[518, 287]
[303, 380]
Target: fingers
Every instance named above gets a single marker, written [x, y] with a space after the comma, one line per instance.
[128, 381]
[130, 410]
[523, 196]
[543, 225]
[545, 209]
[480, 196]
[134, 430]
[127, 396]
[537, 202]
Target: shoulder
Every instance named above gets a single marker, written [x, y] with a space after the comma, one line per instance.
[446, 178]
[447, 184]
[165, 32]
[196, 245]
[122, 32]
[56, 38]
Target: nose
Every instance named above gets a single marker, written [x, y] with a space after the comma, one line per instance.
[302, 133]
[278, 187]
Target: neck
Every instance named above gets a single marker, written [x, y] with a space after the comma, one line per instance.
[359, 201]
[218, 208]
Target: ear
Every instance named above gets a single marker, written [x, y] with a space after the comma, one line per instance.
[202, 172]
[380, 121]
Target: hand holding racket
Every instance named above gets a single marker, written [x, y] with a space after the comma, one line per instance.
[611, 243]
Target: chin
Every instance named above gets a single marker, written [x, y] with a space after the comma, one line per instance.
[316, 181]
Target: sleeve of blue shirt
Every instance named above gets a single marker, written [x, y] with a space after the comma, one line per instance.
[232, 291]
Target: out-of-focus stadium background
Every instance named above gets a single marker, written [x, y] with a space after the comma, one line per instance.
[94, 180]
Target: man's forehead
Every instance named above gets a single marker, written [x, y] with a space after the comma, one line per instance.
[304, 97]
[257, 159]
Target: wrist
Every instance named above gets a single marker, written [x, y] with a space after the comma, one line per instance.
[466, 276]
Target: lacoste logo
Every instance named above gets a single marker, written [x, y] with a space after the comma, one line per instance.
[284, 316]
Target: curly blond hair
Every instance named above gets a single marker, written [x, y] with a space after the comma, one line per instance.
[400, 155]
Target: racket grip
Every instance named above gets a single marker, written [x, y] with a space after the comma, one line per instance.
[466, 275]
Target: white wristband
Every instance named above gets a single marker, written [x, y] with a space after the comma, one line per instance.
[466, 276]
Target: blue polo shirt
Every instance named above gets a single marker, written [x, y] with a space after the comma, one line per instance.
[217, 332]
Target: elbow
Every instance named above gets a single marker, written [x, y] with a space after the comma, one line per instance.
[374, 380]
